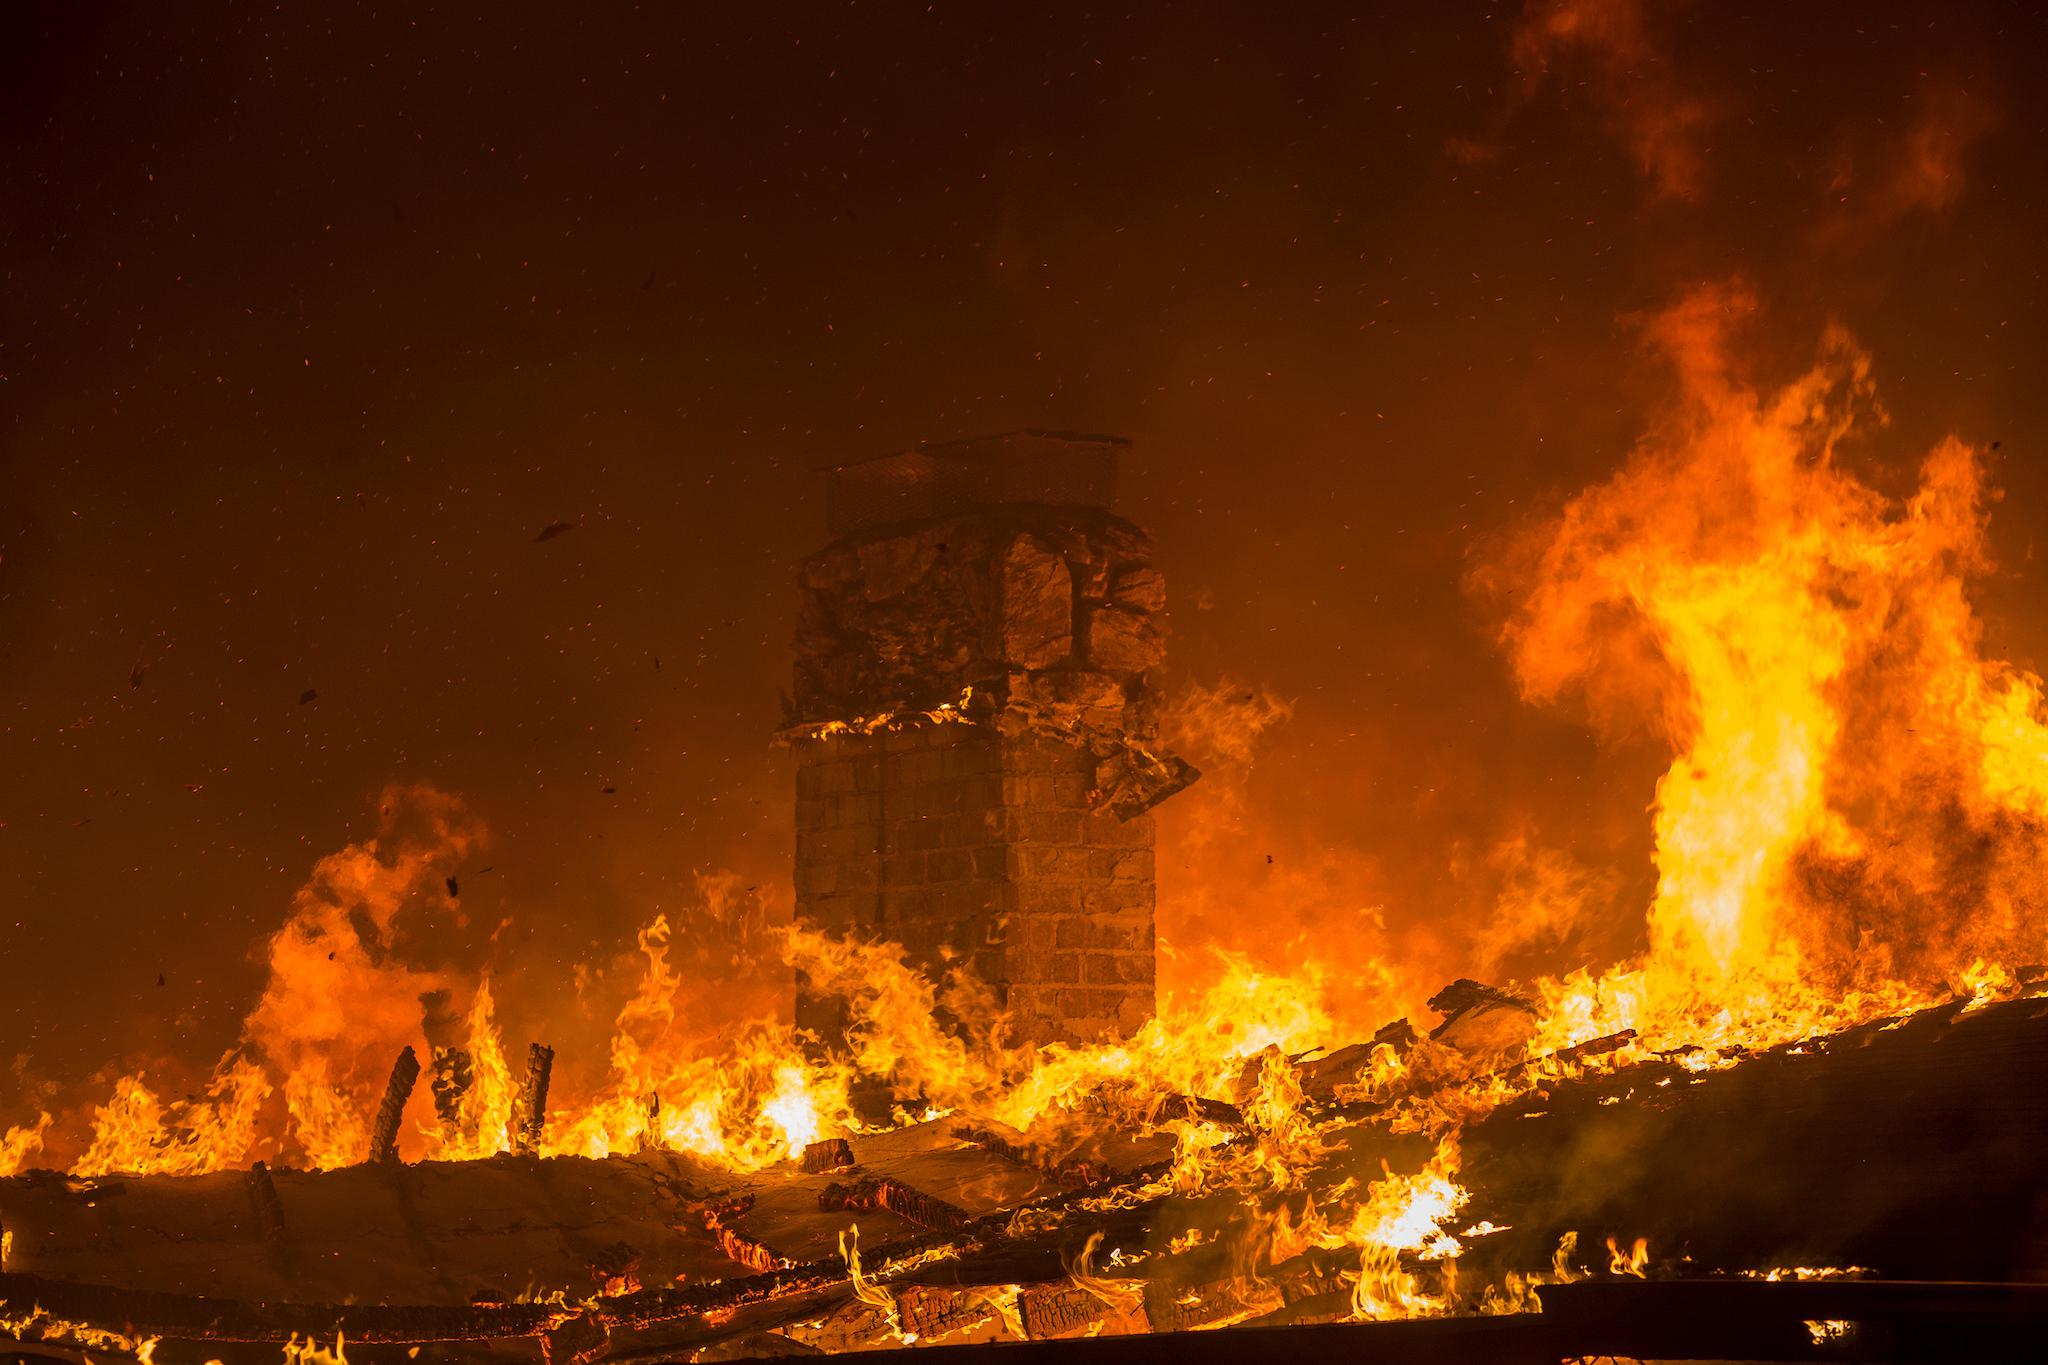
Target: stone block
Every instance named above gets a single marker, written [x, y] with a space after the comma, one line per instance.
[1036, 625]
[1139, 587]
[1125, 641]
[889, 566]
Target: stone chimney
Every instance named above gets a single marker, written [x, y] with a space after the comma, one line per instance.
[975, 727]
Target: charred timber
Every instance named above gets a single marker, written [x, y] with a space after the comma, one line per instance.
[454, 1073]
[530, 1121]
[405, 1073]
[886, 1192]
[828, 1154]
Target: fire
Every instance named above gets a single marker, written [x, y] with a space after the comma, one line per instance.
[759, 1102]
[1851, 824]
[19, 1145]
[1840, 745]
[137, 1131]
[1629, 1262]
[483, 1124]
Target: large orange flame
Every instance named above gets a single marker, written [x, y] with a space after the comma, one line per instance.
[1854, 809]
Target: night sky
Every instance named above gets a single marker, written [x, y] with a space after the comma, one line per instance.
[313, 321]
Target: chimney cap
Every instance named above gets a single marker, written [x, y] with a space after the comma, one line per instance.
[942, 478]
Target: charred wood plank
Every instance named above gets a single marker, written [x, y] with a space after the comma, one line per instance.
[1073, 1173]
[828, 1154]
[887, 1192]
[720, 1220]
[183, 1317]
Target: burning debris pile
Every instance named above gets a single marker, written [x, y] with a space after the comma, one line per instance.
[1824, 1061]
[1415, 1179]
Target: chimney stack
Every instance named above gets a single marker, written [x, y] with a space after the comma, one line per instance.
[975, 727]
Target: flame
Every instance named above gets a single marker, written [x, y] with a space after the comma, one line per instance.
[18, 1145]
[1121, 1297]
[888, 722]
[1806, 645]
[1630, 1262]
[759, 1101]
[866, 1290]
[311, 1352]
[136, 1132]
[1850, 825]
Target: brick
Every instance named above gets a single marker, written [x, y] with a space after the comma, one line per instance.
[1112, 899]
[1104, 830]
[831, 778]
[1049, 826]
[962, 829]
[1105, 934]
[1030, 898]
[856, 808]
[1114, 969]
[948, 864]
[1070, 790]
[1027, 965]
[1129, 865]
[908, 902]
[904, 867]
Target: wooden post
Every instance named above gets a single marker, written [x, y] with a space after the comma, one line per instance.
[531, 1120]
[405, 1073]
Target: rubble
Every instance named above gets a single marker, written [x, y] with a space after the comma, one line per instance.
[1481, 1020]
[1906, 1145]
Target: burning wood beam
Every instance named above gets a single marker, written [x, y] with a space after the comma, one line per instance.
[831, 1154]
[454, 1073]
[405, 1073]
[719, 1220]
[530, 1117]
[886, 1192]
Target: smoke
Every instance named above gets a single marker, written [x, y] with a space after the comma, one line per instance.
[1242, 881]
[1621, 54]
[345, 984]
[1886, 173]
[1551, 907]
